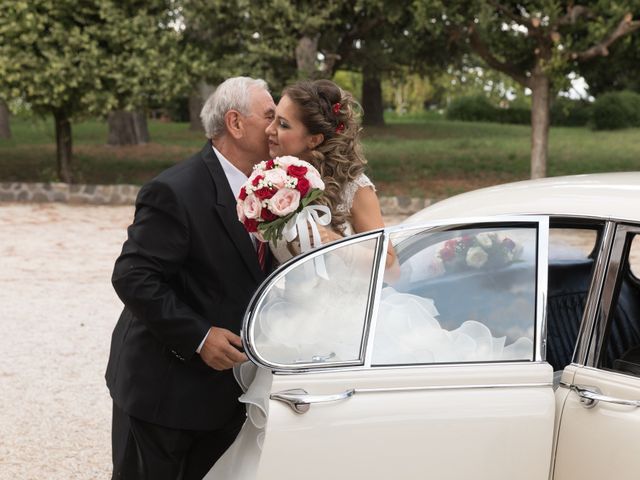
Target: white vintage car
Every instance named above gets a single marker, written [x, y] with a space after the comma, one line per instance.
[506, 345]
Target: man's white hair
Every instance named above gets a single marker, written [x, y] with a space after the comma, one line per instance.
[232, 94]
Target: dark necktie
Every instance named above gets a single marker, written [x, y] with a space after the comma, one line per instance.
[262, 255]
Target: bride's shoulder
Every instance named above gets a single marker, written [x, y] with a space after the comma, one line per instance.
[363, 181]
[351, 188]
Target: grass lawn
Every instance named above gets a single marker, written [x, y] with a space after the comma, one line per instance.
[419, 156]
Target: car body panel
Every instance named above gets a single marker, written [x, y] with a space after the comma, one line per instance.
[437, 421]
[606, 195]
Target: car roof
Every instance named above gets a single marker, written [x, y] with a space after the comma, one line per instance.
[601, 195]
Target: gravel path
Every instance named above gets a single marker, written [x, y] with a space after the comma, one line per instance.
[57, 311]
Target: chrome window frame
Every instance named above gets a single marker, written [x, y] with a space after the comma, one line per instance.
[606, 297]
[377, 273]
[260, 295]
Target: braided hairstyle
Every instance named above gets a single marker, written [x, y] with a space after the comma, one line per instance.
[327, 109]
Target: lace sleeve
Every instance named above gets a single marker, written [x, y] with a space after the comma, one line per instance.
[350, 191]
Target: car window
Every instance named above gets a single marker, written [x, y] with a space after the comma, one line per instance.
[315, 311]
[460, 296]
[567, 244]
[621, 348]
[572, 253]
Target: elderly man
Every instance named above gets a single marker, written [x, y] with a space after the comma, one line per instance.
[185, 275]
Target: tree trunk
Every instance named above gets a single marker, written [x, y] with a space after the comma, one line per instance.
[5, 129]
[540, 119]
[372, 97]
[64, 145]
[127, 128]
[197, 98]
[306, 56]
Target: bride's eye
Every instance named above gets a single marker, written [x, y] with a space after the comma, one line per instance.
[283, 124]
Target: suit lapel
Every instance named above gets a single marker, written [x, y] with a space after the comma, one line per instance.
[226, 208]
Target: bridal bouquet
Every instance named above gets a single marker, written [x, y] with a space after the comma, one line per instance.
[484, 250]
[275, 202]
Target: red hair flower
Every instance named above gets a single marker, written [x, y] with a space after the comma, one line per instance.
[336, 108]
[340, 128]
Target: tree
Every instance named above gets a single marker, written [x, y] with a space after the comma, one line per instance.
[620, 70]
[536, 43]
[70, 59]
[5, 129]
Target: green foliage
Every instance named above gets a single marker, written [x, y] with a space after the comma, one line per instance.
[616, 110]
[570, 113]
[87, 57]
[478, 108]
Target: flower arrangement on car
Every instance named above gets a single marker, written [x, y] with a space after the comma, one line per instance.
[275, 202]
[485, 250]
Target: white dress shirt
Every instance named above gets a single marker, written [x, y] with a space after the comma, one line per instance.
[236, 179]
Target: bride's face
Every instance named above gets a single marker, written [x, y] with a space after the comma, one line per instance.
[287, 134]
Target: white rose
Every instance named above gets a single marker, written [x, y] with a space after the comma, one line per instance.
[484, 240]
[476, 257]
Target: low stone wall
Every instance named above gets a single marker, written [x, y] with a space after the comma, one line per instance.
[126, 195]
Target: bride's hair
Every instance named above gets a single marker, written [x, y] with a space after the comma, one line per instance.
[327, 109]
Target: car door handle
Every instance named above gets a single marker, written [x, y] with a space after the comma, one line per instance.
[300, 401]
[590, 396]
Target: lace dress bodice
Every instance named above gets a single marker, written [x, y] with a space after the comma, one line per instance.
[281, 250]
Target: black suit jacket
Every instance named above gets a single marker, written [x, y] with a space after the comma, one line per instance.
[187, 265]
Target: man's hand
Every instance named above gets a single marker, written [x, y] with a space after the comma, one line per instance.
[219, 350]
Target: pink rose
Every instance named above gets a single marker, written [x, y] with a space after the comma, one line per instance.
[284, 202]
[277, 177]
[251, 207]
[240, 210]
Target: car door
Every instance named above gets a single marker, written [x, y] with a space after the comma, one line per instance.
[598, 434]
[429, 368]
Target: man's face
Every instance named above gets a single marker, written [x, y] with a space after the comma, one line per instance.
[261, 115]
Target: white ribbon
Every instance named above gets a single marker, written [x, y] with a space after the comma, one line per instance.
[298, 226]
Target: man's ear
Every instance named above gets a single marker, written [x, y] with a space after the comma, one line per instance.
[233, 123]
[315, 140]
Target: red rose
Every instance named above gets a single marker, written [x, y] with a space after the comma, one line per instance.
[256, 180]
[447, 253]
[467, 240]
[251, 224]
[264, 193]
[303, 186]
[267, 215]
[243, 193]
[296, 171]
[451, 244]
[269, 165]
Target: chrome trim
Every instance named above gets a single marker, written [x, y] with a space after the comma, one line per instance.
[361, 367]
[590, 396]
[581, 354]
[611, 279]
[542, 284]
[259, 297]
[454, 387]
[373, 302]
[300, 401]
[372, 320]
[368, 333]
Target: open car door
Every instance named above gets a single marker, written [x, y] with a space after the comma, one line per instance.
[431, 368]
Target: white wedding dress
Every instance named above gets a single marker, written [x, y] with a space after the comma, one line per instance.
[407, 332]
